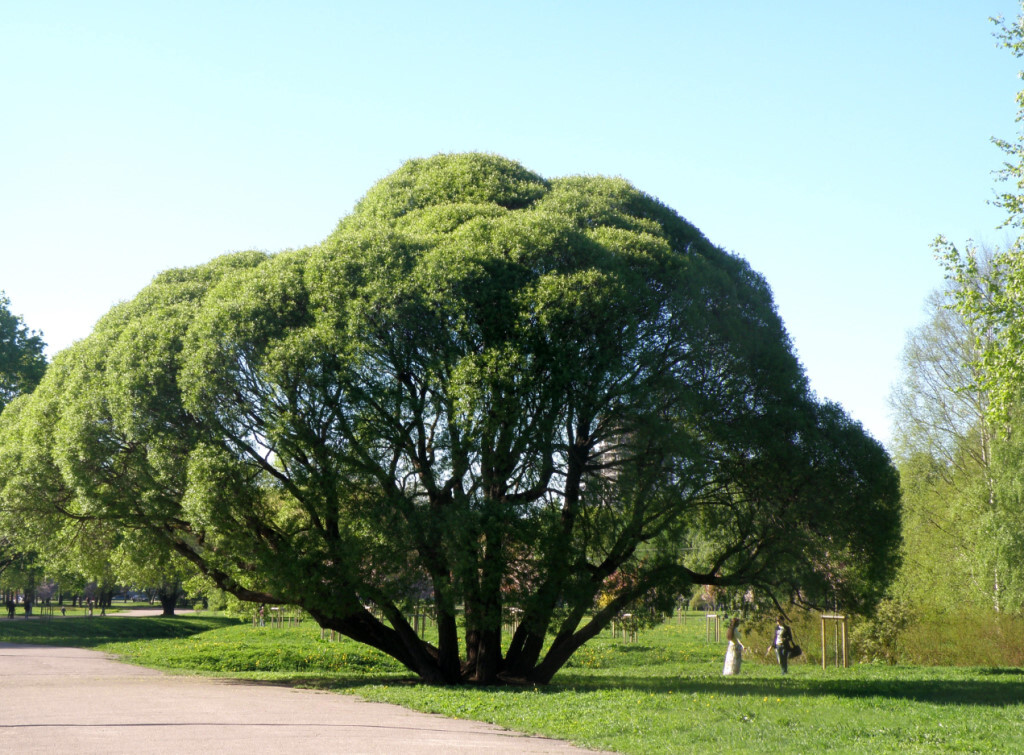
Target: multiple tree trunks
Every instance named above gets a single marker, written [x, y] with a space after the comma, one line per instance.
[505, 391]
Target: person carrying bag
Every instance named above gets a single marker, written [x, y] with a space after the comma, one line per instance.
[782, 643]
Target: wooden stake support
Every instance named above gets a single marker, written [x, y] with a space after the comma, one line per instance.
[713, 621]
[842, 639]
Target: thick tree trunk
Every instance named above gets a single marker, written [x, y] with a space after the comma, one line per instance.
[524, 652]
[106, 598]
[528, 641]
[448, 645]
[363, 627]
[168, 595]
[490, 662]
[484, 660]
[168, 601]
[565, 645]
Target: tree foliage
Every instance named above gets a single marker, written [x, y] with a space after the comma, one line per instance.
[957, 508]
[987, 297]
[990, 292]
[22, 362]
[486, 387]
[22, 365]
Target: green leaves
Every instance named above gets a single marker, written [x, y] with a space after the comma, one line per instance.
[21, 355]
[451, 180]
[484, 387]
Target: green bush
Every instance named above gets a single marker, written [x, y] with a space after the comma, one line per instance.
[879, 638]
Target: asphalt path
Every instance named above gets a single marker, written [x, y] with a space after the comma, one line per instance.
[55, 699]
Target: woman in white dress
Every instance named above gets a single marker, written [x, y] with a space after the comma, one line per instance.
[734, 653]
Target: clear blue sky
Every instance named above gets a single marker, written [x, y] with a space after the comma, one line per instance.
[826, 143]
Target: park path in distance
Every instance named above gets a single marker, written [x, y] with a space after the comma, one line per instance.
[55, 699]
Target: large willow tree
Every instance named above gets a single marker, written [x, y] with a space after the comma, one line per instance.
[500, 391]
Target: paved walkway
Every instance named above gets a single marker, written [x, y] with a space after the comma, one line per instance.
[71, 700]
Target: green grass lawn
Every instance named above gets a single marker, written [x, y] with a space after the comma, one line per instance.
[663, 694]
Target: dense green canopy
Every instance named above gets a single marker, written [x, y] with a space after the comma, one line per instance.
[22, 362]
[486, 388]
[22, 365]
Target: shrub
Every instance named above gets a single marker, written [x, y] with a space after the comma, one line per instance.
[879, 637]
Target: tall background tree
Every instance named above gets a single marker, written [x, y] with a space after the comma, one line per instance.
[987, 292]
[951, 460]
[22, 364]
[505, 391]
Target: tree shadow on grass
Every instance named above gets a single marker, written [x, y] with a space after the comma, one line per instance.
[329, 683]
[939, 691]
[80, 632]
[979, 691]
[1001, 671]
[1004, 686]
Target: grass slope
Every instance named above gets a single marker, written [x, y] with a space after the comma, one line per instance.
[663, 694]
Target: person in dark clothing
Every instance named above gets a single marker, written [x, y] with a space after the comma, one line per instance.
[782, 641]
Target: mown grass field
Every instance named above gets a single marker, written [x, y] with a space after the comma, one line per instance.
[664, 694]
